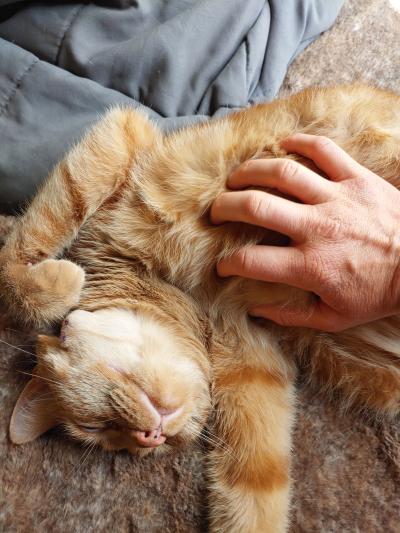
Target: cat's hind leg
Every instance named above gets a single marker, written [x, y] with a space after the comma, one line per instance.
[35, 286]
[360, 365]
[250, 466]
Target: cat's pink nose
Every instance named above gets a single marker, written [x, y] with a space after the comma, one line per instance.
[149, 439]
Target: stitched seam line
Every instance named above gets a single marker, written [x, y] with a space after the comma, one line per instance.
[66, 30]
[7, 101]
[253, 96]
[246, 48]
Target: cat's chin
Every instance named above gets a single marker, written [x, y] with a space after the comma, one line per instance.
[139, 451]
[159, 450]
[144, 452]
[172, 444]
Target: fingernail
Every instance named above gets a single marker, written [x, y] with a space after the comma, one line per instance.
[240, 169]
[257, 312]
[213, 218]
[283, 142]
[222, 269]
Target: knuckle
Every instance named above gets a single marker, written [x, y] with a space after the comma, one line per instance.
[244, 260]
[255, 204]
[330, 228]
[323, 143]
[362, 188]
[314, 266]
[287, 169]
[296, 266]
[307, 221]
[325, 224]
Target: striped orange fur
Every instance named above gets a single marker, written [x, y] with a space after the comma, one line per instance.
[120, 235]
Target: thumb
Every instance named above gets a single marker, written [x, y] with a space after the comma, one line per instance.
[316, 315]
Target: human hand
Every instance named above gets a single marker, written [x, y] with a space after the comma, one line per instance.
[345, 236]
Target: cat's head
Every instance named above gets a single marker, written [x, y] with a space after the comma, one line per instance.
[118, 378]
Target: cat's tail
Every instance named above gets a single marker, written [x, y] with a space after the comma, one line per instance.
[249, 466]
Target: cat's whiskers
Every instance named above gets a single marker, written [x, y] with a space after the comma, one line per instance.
[29, 345]
[44, 396]
[17, 348]
[90, 446]
[195, 427]
[40, 377]
[219, 445]
[211, 437]
[14, 330]
[216, 441]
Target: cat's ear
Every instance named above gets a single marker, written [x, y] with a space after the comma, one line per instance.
[34, 413]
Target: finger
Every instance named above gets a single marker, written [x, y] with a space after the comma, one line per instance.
[286, 175]
[326, 154]
[263, 209]
[269, 263]
[316, 315]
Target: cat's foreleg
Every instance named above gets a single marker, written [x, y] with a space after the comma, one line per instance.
[250, 466]
[37, 287]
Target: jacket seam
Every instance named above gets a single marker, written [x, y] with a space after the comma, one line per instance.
[66, 30]
[17, 85]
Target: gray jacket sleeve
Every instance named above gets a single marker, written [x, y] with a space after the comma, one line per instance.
[62, 66]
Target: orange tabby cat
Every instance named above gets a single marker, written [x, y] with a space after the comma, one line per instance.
[120, 235]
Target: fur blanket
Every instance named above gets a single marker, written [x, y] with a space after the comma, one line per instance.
[346, 470]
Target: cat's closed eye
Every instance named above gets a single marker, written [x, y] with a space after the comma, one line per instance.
[91, 428]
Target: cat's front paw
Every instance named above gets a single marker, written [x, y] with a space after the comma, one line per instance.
[45, 291]
[60, 280]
